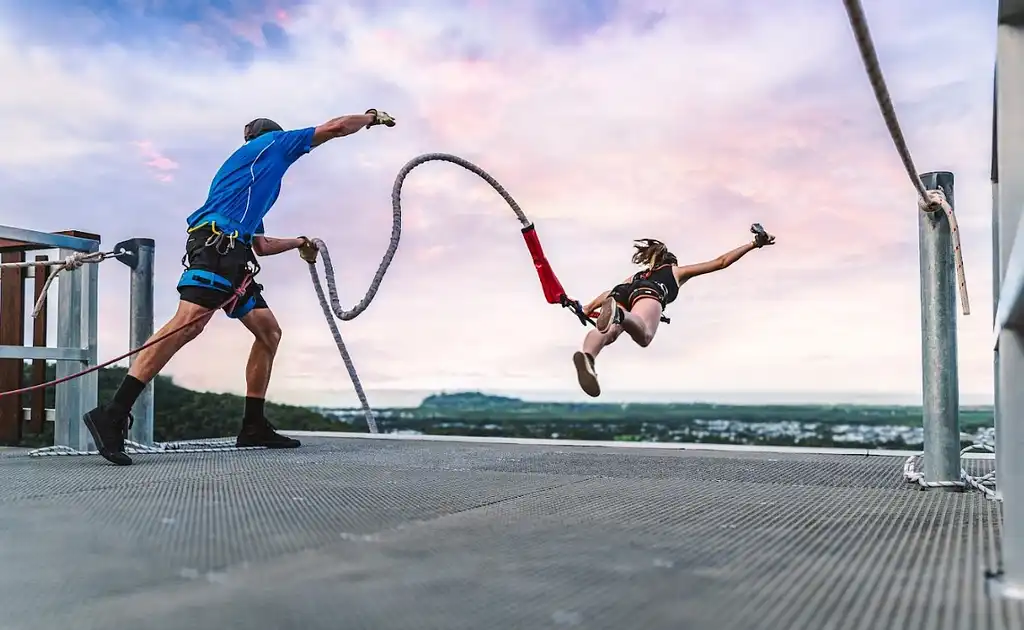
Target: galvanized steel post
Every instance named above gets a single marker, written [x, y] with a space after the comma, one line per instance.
[941, 392]
[140, 330]
[999, 259]
[1009, 132]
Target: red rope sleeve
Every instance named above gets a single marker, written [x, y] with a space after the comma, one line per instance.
[553, 291]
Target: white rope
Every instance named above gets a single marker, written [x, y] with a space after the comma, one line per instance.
[332, 307]
[984, 483]
[930, 200]
[160, 448]
[70, 263]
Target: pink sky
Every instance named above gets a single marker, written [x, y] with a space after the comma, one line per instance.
[688, 131]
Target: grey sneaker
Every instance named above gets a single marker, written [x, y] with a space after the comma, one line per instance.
[611, 314]
[585, 374]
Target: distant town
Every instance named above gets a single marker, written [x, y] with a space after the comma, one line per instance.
[852, 426]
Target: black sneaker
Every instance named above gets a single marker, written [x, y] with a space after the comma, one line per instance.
[264, 434]
[109, 430]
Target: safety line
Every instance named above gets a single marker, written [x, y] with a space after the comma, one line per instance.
[930, 200]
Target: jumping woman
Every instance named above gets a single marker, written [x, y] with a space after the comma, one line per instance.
[637, 305]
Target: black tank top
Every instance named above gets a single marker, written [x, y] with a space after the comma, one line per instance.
[664, 278]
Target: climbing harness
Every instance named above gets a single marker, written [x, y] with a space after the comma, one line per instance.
[554, 293]
[206, 263]
[217, 238]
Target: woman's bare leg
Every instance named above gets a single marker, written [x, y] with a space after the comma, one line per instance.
[642, 320]
[593, 343]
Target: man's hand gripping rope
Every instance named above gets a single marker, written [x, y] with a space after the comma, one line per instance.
[380, 118]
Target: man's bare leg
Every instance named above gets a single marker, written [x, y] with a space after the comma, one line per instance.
[108, 424]
[256, 430]
[150, 361]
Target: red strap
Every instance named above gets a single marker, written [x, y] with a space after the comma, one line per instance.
[553, 291]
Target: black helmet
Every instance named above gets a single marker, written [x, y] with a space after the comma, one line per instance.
[259, 127]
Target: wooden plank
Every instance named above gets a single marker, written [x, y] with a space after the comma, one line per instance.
[12, 333]
[37, 399]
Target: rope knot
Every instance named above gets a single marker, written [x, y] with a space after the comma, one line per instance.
[935, 201]
[74, 261]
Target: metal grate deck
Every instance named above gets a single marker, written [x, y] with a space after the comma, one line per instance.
[394, 535]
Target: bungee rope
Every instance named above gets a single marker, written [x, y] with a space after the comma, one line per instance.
[331, 304]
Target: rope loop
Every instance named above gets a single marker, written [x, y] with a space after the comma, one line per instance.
[331, 303]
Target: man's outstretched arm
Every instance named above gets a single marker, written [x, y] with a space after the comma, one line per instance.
[268, 246]
[348, 125]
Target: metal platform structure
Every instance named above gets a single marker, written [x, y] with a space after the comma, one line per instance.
[388, 532]
[77, 318]
[441, 534]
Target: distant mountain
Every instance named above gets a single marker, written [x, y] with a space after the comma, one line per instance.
[469, 401]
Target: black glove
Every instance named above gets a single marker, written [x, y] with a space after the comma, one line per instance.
[380, 118]
[308, 250]
[761, 237]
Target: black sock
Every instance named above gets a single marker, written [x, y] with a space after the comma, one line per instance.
[253, 410]
[126, 395]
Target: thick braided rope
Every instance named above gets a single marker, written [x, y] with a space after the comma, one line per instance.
[930, 201]
[861, 32]
[332, 306]
[71, 263]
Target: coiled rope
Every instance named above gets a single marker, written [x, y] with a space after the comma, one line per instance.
[332, 307]
[929, 200]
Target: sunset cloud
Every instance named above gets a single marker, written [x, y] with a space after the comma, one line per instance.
[161, 165]
[607, 121]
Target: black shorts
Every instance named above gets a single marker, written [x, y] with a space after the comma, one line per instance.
[627, 294]
[230, 270]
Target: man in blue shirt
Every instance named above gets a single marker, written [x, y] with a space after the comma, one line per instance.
[224, 238]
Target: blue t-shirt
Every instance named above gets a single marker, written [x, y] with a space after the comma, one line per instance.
[247, 185]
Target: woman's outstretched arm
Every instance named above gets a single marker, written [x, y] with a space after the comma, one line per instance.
[685, 272]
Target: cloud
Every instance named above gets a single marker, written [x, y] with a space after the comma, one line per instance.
[607, 121]
[161, 165]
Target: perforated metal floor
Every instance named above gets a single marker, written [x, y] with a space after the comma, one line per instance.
[349, 534]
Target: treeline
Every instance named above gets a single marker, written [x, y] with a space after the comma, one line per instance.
[476, 407]
[183, 414]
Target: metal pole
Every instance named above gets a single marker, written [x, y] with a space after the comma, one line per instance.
[140, 330]
[67, 421]
[998, 270]
[998, 265]
[1009, 111]
[941, 395]
[88, 390]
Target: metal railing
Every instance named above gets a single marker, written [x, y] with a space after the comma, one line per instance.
[1008, 285]
[77, 330]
